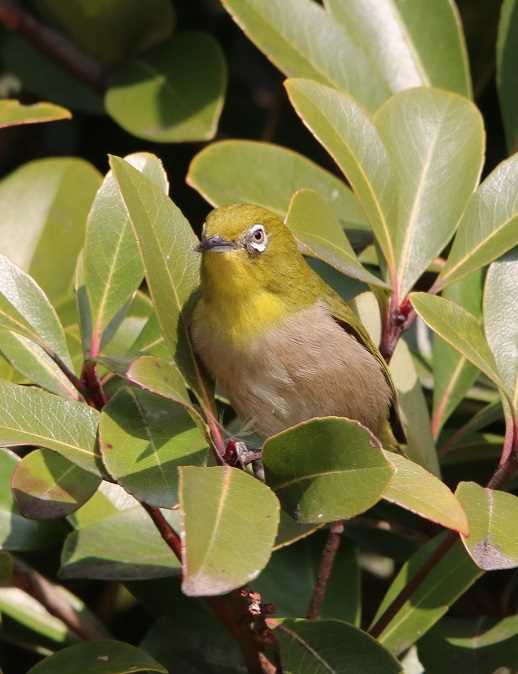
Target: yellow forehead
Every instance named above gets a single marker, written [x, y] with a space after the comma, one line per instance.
[230, 222]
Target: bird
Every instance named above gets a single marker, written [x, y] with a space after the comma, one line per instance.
[282, 345]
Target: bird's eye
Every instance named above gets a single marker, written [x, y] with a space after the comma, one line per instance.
[256, 239]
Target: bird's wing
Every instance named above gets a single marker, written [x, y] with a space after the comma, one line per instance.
[344, 315]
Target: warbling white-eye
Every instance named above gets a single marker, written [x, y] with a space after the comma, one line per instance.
[283, 346]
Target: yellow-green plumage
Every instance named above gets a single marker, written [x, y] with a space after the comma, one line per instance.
[283, 346]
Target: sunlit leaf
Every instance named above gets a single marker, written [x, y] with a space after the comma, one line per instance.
[316, 486]
[172, 93]
[435, 142]
[221, 508]
[230, 171]
[314, 223]
[13, 112]
[491, 541]
[46, 485]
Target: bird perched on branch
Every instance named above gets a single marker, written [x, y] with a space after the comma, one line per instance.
[283, 346]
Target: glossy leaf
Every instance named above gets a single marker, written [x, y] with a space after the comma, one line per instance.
[453, 374]
[17, 532]
[166, 245]
[291, 531]
[173, 93]
[410, 44]
[54, 209]
[303, 40]
[13, 112]
[414, 414]
[476, 645]
[98, 657]
[446, 582]
[488, 227]
[229, 523]
[241, 170]
[111, 263]
[414, 488]
[316, 486]
[500, 323]
[30, 416]
[25, 309]
[144, 439]
[460, 328]
[314, 223]
[115, 539]
[506, 77]
[32, 362]
[435, 142]
[350, 137]
[491, 541]
[330, 647]
[47, 486]
[112, 30]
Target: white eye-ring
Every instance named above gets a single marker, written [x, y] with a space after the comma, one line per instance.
[256, 238]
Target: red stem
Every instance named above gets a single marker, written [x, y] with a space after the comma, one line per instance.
[326, 567]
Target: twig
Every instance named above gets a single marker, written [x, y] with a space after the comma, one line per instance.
[92, 385]
[56, 602]
[53, 44]
[165, 529]
[326, 567]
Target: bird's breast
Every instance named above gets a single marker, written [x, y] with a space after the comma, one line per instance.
[303, 366]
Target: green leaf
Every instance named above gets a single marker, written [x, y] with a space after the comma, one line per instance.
[112, 267]
[435, 141]
[303, 40]
[414, 488]
[345, 480]
[453, 374]
[500, 323]
[153, 374]
[112, 30]
[477, 645]
[16, 532]
[229, 171]
[488, 227]
[30, 416]
[166, 244]
[446, 582]
[409, 44]
[460, 328]
[98, 657]
[330, 647]
[506, 77]
[173, 93]
[54, 209]
[13, 112]
[45, 78]
[47, 486]
[144, 439]
[351, 138]
[290, 531]
[32, 362]
[25, 309]
[414, 414]
[491, 541]
[314, 223]
[229, 523]
[115, 539]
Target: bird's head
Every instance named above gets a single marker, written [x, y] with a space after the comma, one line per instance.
[248, 249]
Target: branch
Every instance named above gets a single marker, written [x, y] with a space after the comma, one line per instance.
[56, 601]
[52, 43]
[92, 385]
[326, 567]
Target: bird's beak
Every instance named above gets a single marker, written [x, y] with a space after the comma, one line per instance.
[216, 243]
